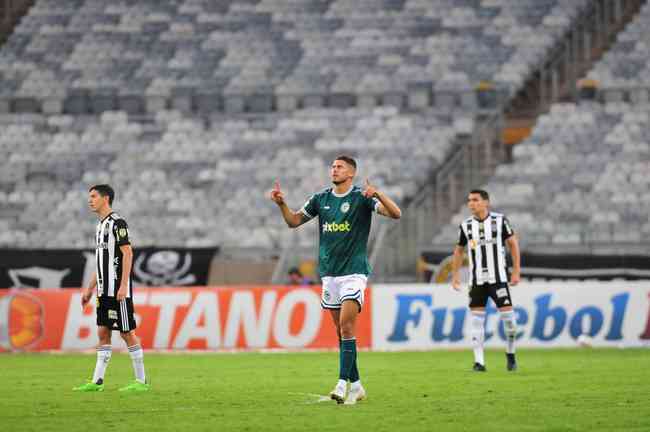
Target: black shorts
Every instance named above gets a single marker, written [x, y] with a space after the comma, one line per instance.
[500, 294]
[115, 315]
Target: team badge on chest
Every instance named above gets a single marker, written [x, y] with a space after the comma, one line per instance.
[345, 207]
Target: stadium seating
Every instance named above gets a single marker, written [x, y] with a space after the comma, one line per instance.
[580, 179]
[190, 181]
[625, 68]
[78, 56]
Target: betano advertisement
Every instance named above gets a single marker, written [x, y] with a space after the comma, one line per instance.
[395, 317]
[549, 314]
[177, 318]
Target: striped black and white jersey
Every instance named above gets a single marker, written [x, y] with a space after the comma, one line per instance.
[487, 249]
[112, 232]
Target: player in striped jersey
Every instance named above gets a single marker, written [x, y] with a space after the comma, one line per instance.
[112, 279]
[487, 234]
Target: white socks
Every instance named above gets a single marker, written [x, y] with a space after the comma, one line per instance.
[103, 357]
[137, 358]
[510, 327]
[478, 335]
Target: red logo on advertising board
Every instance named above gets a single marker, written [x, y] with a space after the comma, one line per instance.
[23, 317]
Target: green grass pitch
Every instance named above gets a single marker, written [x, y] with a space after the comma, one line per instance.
[554, 390]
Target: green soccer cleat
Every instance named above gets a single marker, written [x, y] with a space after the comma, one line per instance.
[136, 386]
[90, 387]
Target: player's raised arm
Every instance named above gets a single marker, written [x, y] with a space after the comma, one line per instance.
[293, 219]
[387, 206]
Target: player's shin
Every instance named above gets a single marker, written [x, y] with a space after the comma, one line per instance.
[510, 327]
[103, 357]
[354, 373]
[478, 335]
[137, 358]
[348, 357]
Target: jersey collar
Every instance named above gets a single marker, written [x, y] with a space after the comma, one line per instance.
[343, 194]
[484, 219]
[106, 217]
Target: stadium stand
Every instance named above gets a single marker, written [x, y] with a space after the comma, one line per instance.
[624, 71]
[189, 181]
[79, 56]
[580, 179]
[114, 61]
[191, 108]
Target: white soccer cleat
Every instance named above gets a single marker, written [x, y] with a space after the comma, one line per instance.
[355, 395]
[338, 394]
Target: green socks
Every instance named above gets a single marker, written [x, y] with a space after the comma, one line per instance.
[348, 360]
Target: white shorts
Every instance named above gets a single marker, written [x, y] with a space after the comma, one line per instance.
[340, 288]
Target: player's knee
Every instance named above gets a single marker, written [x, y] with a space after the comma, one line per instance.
[509, 323]
[104, 335]
[129, 337]
[347, 330]
[478, 325]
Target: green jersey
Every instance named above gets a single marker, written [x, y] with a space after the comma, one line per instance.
[344, 226]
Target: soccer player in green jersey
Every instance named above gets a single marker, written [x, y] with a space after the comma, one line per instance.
[344, 214]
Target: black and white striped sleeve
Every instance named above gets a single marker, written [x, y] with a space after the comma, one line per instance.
[506, 229]
[121, 232]
[462, 238]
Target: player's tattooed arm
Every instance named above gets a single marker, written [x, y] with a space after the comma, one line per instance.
[303, 218]
[292, 218]
[387, 206]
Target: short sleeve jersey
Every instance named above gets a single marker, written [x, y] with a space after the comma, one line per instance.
[111, 233]
[344, 228]
[487, 247]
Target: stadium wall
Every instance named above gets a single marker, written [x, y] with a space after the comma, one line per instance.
[71, 268]
[396, 317]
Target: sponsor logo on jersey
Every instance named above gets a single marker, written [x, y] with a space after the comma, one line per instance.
[334, 227]
[474, 243]
[345, 207]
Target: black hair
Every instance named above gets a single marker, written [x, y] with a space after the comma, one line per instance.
[348, 160]
[294, 270]
[483, 193]
[104, 190]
